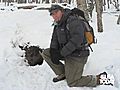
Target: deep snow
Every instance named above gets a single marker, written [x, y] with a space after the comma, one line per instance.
[20, 26]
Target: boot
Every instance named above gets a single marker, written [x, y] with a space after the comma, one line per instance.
[59, 78]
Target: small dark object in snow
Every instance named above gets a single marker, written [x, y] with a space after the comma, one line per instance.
[33, 55]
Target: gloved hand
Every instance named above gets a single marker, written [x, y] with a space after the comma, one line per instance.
[55, 56]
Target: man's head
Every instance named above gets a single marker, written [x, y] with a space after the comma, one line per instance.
[56, 12]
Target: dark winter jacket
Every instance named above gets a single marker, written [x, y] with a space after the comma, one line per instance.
[68, 36]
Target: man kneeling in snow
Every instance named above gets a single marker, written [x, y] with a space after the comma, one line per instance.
[68, 44]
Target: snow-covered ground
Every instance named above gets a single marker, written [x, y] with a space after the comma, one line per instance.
[21, 26]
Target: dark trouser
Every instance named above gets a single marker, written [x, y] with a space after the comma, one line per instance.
[73, 70]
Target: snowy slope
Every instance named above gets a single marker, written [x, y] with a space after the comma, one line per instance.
[21, 26]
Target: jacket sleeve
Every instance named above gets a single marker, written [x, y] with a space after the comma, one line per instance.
[76, 29]
[54, 41]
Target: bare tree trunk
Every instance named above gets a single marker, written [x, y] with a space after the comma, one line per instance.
[5, 2]
[116, 4]
[69, 1]
[99, 9]
[108, 2]
[90, 7]
[118, 9]
[104, 3]
[65, 1]
[81, 4]
[53, 1]
[8, 2]
[118, 21]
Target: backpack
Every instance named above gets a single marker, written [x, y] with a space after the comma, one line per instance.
[89, 32]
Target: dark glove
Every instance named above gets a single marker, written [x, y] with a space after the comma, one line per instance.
[55, 55]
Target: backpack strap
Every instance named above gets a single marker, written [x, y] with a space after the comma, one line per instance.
[87, 26]
[90, 48]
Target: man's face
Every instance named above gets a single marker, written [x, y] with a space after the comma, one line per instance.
[57, 14]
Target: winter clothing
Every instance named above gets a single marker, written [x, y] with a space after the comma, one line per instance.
[55, 56]
[72, 69]
[68, 36]
[68, 39]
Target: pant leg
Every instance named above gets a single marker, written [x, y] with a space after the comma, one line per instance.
[58, 69]
[74, 67]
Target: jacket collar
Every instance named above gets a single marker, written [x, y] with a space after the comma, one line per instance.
[65, 16]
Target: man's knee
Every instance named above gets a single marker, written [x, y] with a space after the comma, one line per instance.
[75, 84]
[88, 81]
[46, 52]
[70, 85]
